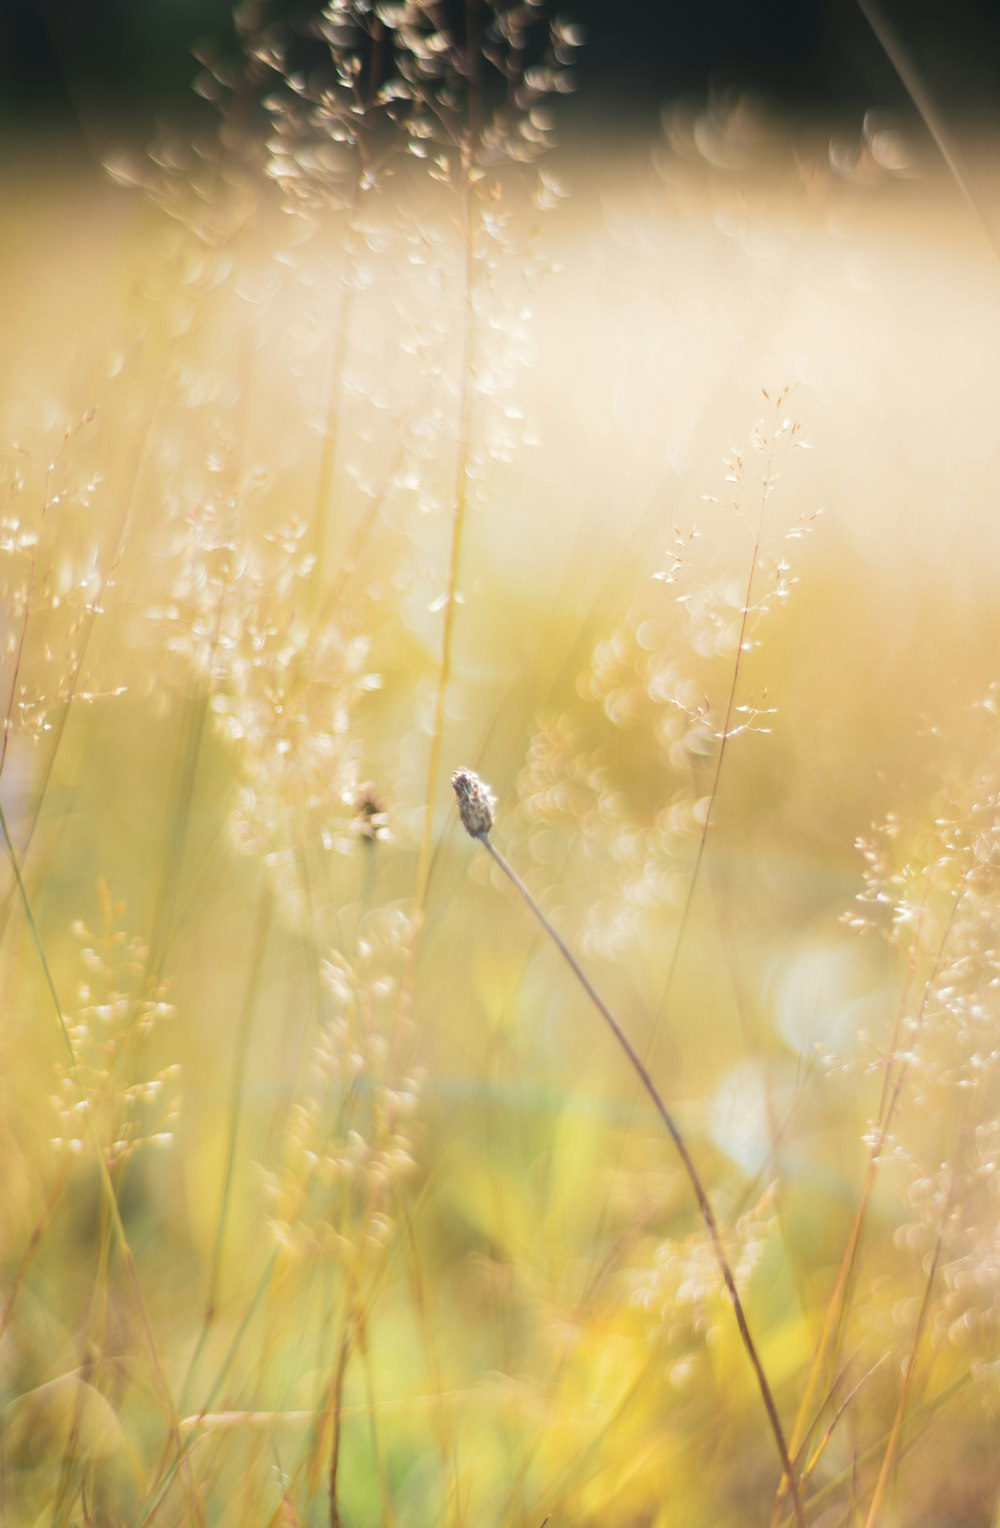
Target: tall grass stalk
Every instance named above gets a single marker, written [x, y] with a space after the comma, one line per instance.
[29, 596]
[444, 1436]
[891, 1454]
[118, 543]
[110, 1196]
[234, 1117]
[329, 453]
[34, 1241]
[333, 1414]
[724, 736]
[709, 818]
[331, 426]
[476, 807]
[460, 505]
[922, 99]
[893, 1082]
[187, 1430]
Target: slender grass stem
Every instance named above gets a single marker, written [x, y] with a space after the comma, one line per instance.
[476, 808]
[334, 1413]
[841, 1411]
[107, 1186]
[76, 1464]
[444, 1435]
[893, 1083]
[694, 879]
[8, 720]
[727, 727]
[34, 1242]
[59, 725]
[331, 432]
[326, 476]
[460, 504]
[236, 1100]
[234, 1116]
[374, 1433]
[891, 1454]
[916, 1420]
[932, 119]
[190, 1425]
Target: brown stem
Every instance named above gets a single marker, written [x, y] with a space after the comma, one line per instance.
[34, 1241]
[336, 1400]
[892, 1447]
[694, 1177]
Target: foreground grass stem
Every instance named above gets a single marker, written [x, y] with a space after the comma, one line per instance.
[476, 808]
[110, 1195]
[460, 504]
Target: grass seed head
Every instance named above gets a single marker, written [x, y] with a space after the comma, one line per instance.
[475, 802]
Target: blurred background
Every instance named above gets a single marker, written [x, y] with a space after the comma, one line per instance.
[384, 1183]
[110, 64]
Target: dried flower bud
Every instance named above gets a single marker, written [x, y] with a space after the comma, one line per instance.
[475, 802]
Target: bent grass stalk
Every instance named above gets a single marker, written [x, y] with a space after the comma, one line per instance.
[476, 809]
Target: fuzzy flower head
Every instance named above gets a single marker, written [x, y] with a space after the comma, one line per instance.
[475, 802]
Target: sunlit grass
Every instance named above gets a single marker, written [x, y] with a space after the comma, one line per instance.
[382, 1230]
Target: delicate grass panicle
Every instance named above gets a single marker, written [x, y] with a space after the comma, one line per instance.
[350, 1135]
[937, 900]
[626, 779]
[110, 1082]
[680, 1292]
[52, 576]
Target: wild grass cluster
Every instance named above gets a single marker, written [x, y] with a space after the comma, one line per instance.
[630, 1158]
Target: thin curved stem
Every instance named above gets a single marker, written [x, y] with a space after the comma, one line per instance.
[694, 1177]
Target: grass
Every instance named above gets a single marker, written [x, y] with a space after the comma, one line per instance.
[325, 1201]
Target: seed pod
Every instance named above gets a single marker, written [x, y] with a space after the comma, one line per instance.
[475, 802]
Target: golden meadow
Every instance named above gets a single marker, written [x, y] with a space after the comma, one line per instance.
[370, 435]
